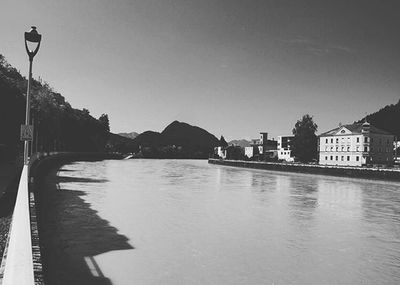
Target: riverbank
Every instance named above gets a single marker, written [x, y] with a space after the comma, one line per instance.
[355, 172]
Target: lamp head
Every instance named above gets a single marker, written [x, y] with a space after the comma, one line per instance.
[33, 37]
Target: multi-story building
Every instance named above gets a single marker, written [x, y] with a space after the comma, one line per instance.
[260, 146]
[284, 148]
[356, 145]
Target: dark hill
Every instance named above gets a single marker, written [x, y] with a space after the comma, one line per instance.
[387, 118]
[148, 138]
[183, 134]
[177, 140]
[118, 143]
[57, 126]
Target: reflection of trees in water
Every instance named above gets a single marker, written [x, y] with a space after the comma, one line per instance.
[303, 196]
[381, 203]
[71, 233]
[380, 210]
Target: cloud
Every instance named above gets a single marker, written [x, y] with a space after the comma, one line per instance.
[316, 47]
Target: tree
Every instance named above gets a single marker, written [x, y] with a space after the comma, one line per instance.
[222, 142]
[305, 141]
[105, 122]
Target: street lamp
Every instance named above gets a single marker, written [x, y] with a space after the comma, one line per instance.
[27, 131]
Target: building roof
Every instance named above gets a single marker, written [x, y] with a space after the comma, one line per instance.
[355, 129]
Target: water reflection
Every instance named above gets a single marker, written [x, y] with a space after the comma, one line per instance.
[71, 232]
[194, 223]
[303, 198]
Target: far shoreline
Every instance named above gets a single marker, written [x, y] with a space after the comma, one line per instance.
[354, 172]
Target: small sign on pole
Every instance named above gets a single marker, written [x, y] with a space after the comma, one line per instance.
[26, 132]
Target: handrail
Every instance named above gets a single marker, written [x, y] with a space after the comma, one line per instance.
[19, 261]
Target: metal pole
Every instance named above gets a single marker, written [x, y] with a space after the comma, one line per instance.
[28, 110]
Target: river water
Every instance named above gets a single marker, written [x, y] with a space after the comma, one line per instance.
[188, 222]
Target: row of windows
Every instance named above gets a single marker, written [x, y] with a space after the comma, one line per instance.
[285, 152]
[358, 140]
[342, 158]
[379, 149]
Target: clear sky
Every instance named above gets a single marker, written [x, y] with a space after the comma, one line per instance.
[232, 67]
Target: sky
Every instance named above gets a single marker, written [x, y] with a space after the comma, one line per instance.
[232, 67]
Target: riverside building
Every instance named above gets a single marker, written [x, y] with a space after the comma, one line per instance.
[284, 148]
[356, 145]
[261, 146]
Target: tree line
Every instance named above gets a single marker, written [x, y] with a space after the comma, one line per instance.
[57, 126]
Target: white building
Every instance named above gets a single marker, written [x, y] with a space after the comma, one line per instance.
[220, 151]
[284, 148]
[356, 145]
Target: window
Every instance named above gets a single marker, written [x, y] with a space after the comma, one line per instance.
[331, 157]
[348, 158]
[358, 140]
[365, 148]
[358, 148]
[337, 140]
[342, 148]
[331, 140]
[366, 139]
[337, 157]
[337, 148]
[326, 158]
[342, 158]
[348, 148]
[357, 158]
[372, 139]
[326, 140]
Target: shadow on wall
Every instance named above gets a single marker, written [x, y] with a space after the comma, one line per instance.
[71, 233]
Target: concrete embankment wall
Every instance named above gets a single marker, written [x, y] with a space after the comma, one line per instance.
[356, 172]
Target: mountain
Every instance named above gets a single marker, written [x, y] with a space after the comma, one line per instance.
[177, 140]
[118, 143]
[387, 118]
[241, 143]
[148, 138]
[183, 134]
[131, 135]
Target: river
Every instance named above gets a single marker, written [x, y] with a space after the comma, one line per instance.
[188, 222]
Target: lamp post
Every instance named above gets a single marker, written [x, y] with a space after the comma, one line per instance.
[33, 37]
